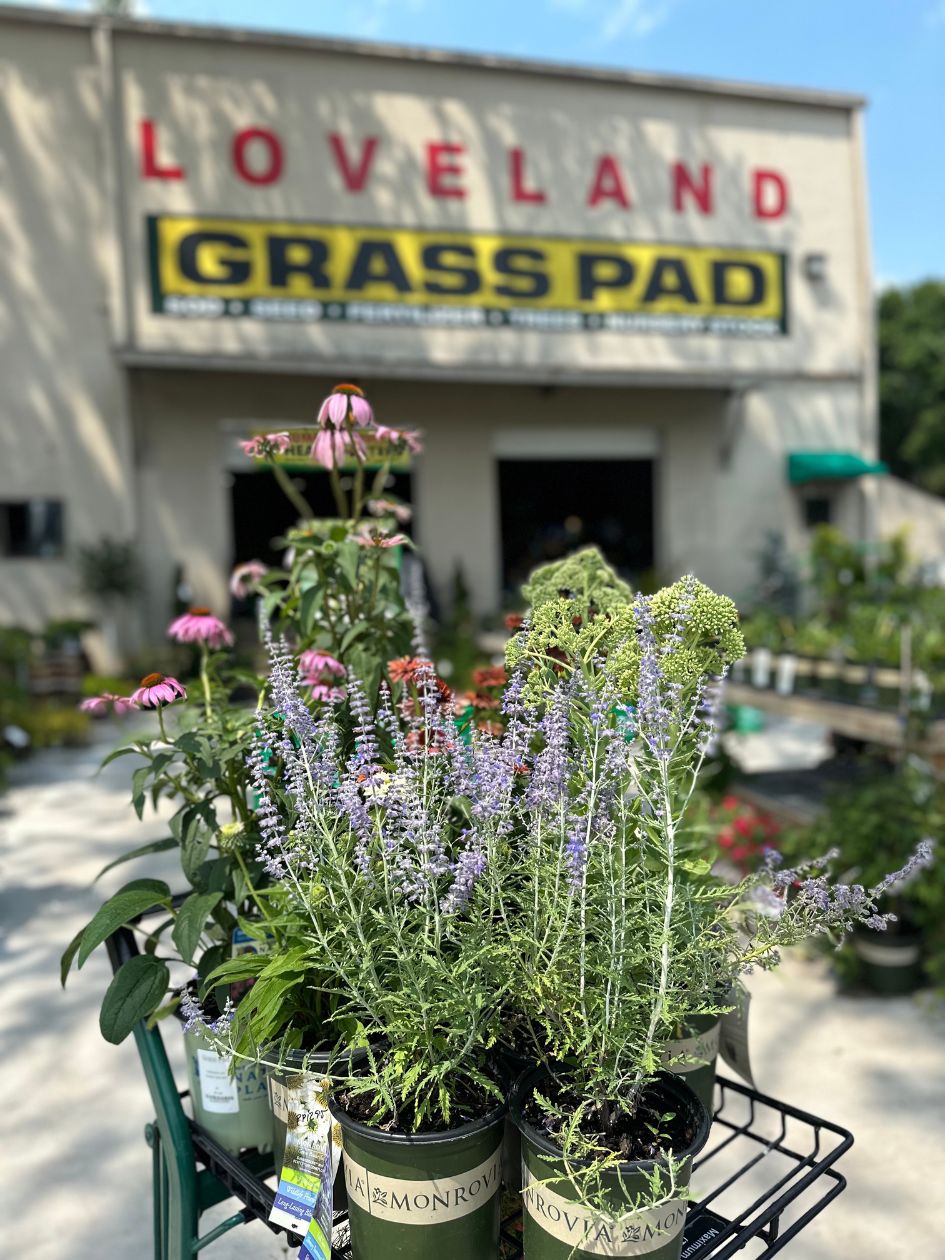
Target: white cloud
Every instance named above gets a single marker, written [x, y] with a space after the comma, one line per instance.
[609, 20]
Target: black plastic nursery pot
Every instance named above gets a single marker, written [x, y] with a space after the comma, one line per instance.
[558, 1227]
[694, 1056]
[509, 1066]
[423, 1196]
[890, 962]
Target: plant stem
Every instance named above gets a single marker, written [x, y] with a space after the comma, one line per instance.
[205, 682]
[291, 491]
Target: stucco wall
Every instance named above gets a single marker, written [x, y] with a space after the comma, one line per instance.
[63, 425]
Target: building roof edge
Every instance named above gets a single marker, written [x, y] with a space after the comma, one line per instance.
[811, 97]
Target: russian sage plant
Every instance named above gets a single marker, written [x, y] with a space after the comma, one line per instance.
[384, 858]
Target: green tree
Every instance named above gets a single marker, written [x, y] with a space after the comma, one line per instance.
[912, 382]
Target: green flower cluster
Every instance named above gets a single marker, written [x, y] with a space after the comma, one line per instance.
[584, 577]
[596, 622]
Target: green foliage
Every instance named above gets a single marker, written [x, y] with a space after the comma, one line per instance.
[584, 578]
[912, 382]
[342, 597]
[563, 635]
[135, 993]
[109, 569]
[874, 826]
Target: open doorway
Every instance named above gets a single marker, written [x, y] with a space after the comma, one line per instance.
[261, 513]
[550, 507]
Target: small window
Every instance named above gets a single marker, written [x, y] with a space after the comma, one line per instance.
[818, 511]
[31, 527]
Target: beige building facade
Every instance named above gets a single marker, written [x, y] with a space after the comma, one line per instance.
[614, 303]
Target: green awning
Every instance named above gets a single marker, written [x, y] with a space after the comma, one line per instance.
[830, 466]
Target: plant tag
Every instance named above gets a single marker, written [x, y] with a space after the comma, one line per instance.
[307, 1158]
[701, 1232]
[218, 1090]
[316, 1245]
[733, 1045]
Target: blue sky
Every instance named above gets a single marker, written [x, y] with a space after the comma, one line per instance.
[892, 51]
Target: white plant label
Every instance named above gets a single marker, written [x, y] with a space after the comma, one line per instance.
[219, 1091]
[634, 1234]
[306, 1178]
[423, 1202]
[733, 1044]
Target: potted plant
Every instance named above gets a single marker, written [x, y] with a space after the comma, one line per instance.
[869, 826]
[195, 758]
[387, 845]
[618, 932]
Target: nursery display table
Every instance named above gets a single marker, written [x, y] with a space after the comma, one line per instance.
[856, 721]
[767, 1170]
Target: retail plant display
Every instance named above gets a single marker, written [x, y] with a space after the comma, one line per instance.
[423, 923]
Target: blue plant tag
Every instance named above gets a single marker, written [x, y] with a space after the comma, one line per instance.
[316, 1245]
[303, 1176]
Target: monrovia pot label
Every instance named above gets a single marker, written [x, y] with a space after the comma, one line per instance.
[219, 1092]
[688, 1054]
[422, 1202]
[595, 1233]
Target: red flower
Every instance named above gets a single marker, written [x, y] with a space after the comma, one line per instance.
[404, 669]
[744, 827]
[490, 676]
[730, 802]
[514, 621]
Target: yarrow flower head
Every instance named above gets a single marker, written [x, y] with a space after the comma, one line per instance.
[107, 702]
[264, 445]
[199, 625]
[346, 407]
[158, 690]
[245, 578]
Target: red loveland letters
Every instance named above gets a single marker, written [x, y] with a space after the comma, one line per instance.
[684, 184]
[441, 169]
[770, 194]
[608, 184]
[150, 166]
[355, 175]
[517, 179]
[241, 142]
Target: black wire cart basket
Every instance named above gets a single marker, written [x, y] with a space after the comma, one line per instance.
[766, 1172]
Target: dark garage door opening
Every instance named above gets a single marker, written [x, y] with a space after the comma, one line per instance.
[262, 513]
[550, 507]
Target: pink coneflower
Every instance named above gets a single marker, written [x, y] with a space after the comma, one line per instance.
[376, 538]
[200, 626]
[333, 447]
[245, 577]
[387, 507]
[410, 438]
[264, 444]
[314, 665]
[99, 706]
[346, 406]
[157, 690]
[326, 694]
